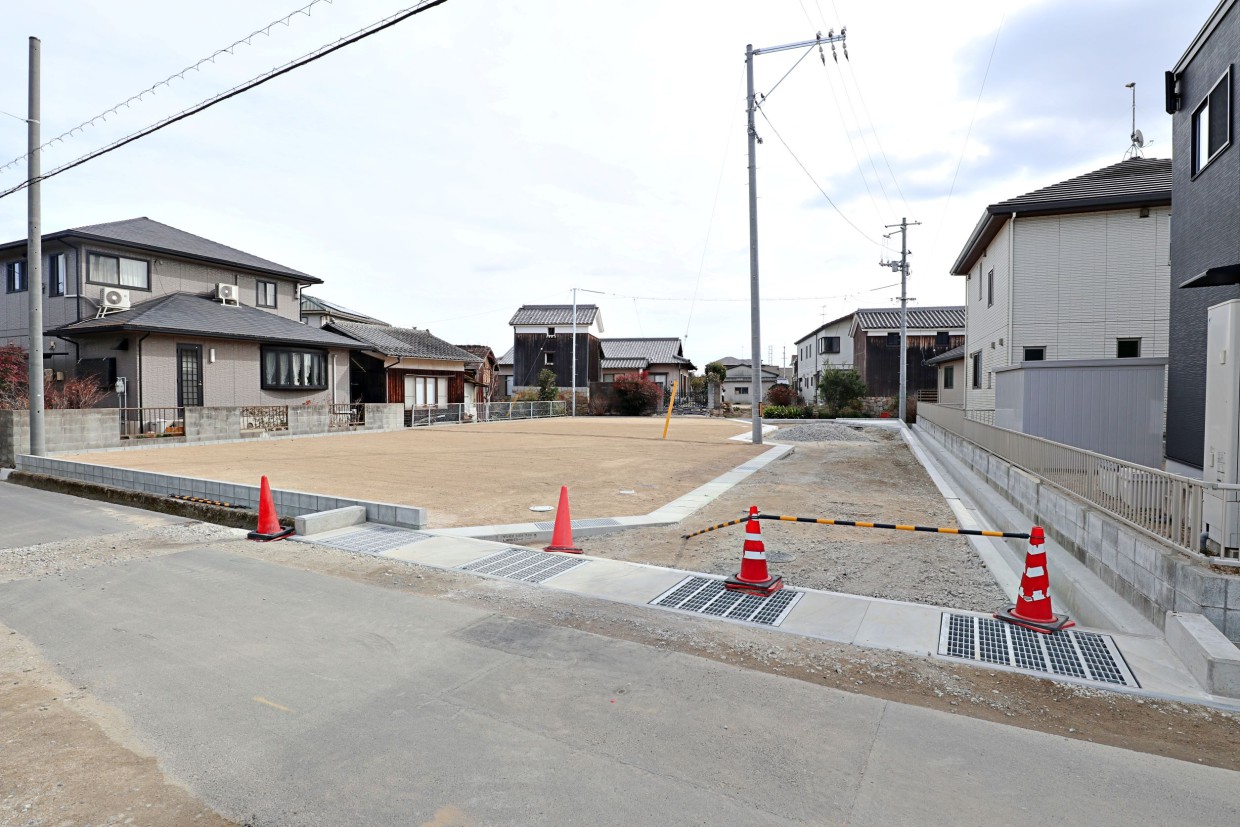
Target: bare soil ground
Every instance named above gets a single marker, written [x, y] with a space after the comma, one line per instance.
[476, 474]
[860, 474]
[67, 759]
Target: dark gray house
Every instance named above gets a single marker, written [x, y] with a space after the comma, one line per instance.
[543, 340]
[1205, 233]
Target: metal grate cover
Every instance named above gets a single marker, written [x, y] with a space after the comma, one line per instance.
[1083, 655]
[525, 564]
[707, 595]
[370, 539]
[599, 522]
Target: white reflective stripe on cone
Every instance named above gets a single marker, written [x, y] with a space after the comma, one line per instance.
[754, 555]
[1037, 571]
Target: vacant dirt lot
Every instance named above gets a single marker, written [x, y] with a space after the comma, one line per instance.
[842, 472]
[477, 474]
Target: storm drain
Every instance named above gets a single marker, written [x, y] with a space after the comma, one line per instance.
[525, 565]
[370, 539]
[1085, 655]
[601, 522]
[707, 596]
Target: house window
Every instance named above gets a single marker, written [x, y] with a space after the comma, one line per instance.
[942, 339]
[551, 331]
[288, 368]
[742, 390]
[829, 344]
[266, 294]
[893, 340]
[15, 277]
[1035, 354]
[548, 358]
[56, 276]
[990, 287]
[977, 369]
[1212, 124]
[119, 271]
[429, 390]
[1127, 348]
[949, 377]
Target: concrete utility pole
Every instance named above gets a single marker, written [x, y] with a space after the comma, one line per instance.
[903, 268]
[755, 312]
[574, 403]
[34, 259]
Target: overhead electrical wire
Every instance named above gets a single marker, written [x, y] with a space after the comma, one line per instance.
[150, 90]
[297, 63]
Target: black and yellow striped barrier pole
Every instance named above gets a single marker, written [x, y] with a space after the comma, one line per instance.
[974, 532]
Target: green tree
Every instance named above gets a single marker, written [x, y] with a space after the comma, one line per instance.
[716, 372]
[840, 387]
[547, 389]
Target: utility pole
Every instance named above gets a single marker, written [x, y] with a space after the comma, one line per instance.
[34, 259]
[902, 267]
[574, 403]
[755, 312]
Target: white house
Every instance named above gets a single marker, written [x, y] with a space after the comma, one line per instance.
[1077, 270]
[738, 386]
[828, 346]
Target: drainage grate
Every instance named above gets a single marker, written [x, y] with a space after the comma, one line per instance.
[371, 539]
[707, 595]
[525, 565]
[1084, 655]
[600, 522]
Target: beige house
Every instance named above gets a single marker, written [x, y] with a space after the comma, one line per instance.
[950, 383]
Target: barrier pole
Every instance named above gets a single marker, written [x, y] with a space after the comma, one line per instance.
[668, 420]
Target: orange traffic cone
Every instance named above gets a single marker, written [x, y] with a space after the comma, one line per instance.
[753, 577]
[268, 523]
[1033, 602]
[562, 536]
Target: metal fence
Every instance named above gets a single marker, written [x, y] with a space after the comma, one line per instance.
[137, 423]
[1166, 505]
[345, 415]
[482, 412]
[264, 418]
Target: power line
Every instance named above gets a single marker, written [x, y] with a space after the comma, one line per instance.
[150, 90]
[866, 109]
[304, 60]
[878, 179]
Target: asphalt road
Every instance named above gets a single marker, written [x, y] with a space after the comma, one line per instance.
[284, 697]
[29, 516]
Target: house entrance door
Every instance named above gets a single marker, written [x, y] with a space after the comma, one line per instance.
[189, 376]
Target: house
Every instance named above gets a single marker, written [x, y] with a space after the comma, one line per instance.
[828, 346]
[929, 331]
[738, 385]
[318, 312]
[179, 319]
[543, 339]
[950, 378]
[503, 374]
[1075, 271]
[1205, 236]
[663, 360]
[404, 364]
[481, 376]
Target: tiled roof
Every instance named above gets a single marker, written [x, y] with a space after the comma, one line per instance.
[948, 356]
[664, 351]
[624, 364]
[919, 318]
[403, 341]
[151, 235]
[480, 351]
[198, 315]
[554, 314]
[311, 304]
[506, 359]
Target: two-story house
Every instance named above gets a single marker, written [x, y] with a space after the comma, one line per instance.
[738, 389]
[543, 337]
[875, 335]
[826, 347]
[179, 319]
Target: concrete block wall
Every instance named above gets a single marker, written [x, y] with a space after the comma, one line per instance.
[211, 424]
[64, 430]
[385, 416]
[1152, 576]
[288, 503]
[309, 419]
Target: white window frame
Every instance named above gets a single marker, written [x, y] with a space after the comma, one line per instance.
[90, 272]
[1201, 141]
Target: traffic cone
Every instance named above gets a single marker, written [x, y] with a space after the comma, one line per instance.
[753, 577]
[268, 523]
[1033, 602]
[562, 536]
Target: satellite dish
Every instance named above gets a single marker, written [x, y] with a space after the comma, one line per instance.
[1137, 138]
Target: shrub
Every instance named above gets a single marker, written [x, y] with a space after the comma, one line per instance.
[781, 395]
[78, 392]
[636, 394]
[715, 372]
[527, 395]
[547, 390]
[841, 389]
[583, 401]
[784, 412]
[13, 377]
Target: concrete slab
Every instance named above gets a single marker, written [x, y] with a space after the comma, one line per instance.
[829, 616]
[618, 580]
[905, 627]
[445, 552]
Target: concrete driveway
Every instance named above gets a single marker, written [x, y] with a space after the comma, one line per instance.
[285, 697]
[29, 516]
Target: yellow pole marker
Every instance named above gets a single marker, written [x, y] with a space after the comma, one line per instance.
[668, 420]
[261, 700]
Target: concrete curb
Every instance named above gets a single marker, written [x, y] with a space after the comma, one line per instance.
[1206, 652]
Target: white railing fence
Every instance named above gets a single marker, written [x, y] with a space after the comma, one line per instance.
[482, 412]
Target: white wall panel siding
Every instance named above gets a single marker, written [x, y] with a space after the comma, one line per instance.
[987, 324]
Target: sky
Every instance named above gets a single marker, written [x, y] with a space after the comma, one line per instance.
[482, 155]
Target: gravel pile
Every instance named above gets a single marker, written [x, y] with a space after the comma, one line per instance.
[822, 432]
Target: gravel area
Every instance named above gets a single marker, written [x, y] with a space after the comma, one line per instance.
[870, 475]
[824, 432]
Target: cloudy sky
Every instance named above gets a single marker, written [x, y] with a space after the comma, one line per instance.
[484, 155]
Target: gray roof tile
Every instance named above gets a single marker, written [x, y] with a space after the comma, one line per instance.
[506, 359]
[311, 304]
[662, 351]
[403, 341]
[554, 314]
[919, 318]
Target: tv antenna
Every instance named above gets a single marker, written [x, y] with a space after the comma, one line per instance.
[1138, 140]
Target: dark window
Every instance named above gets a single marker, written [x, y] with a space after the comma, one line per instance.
[103, 371]
[266, 294]
[893, 340]
[990, 287]
[977, 369]
[551, 331]
[15, 276]
[1127, 348]
[942, 339]
[1212, 124]
[949, 377]
[119, 271]
[1035, 354]
[286, 368]
[829, 344]
[56, 275]
[548, 358]
[742, 390]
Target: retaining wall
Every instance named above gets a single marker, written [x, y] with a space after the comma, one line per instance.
[1151, 575]
[63, 430]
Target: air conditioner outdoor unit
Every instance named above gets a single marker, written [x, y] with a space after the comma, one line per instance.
[226, 293]
[114, 298]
